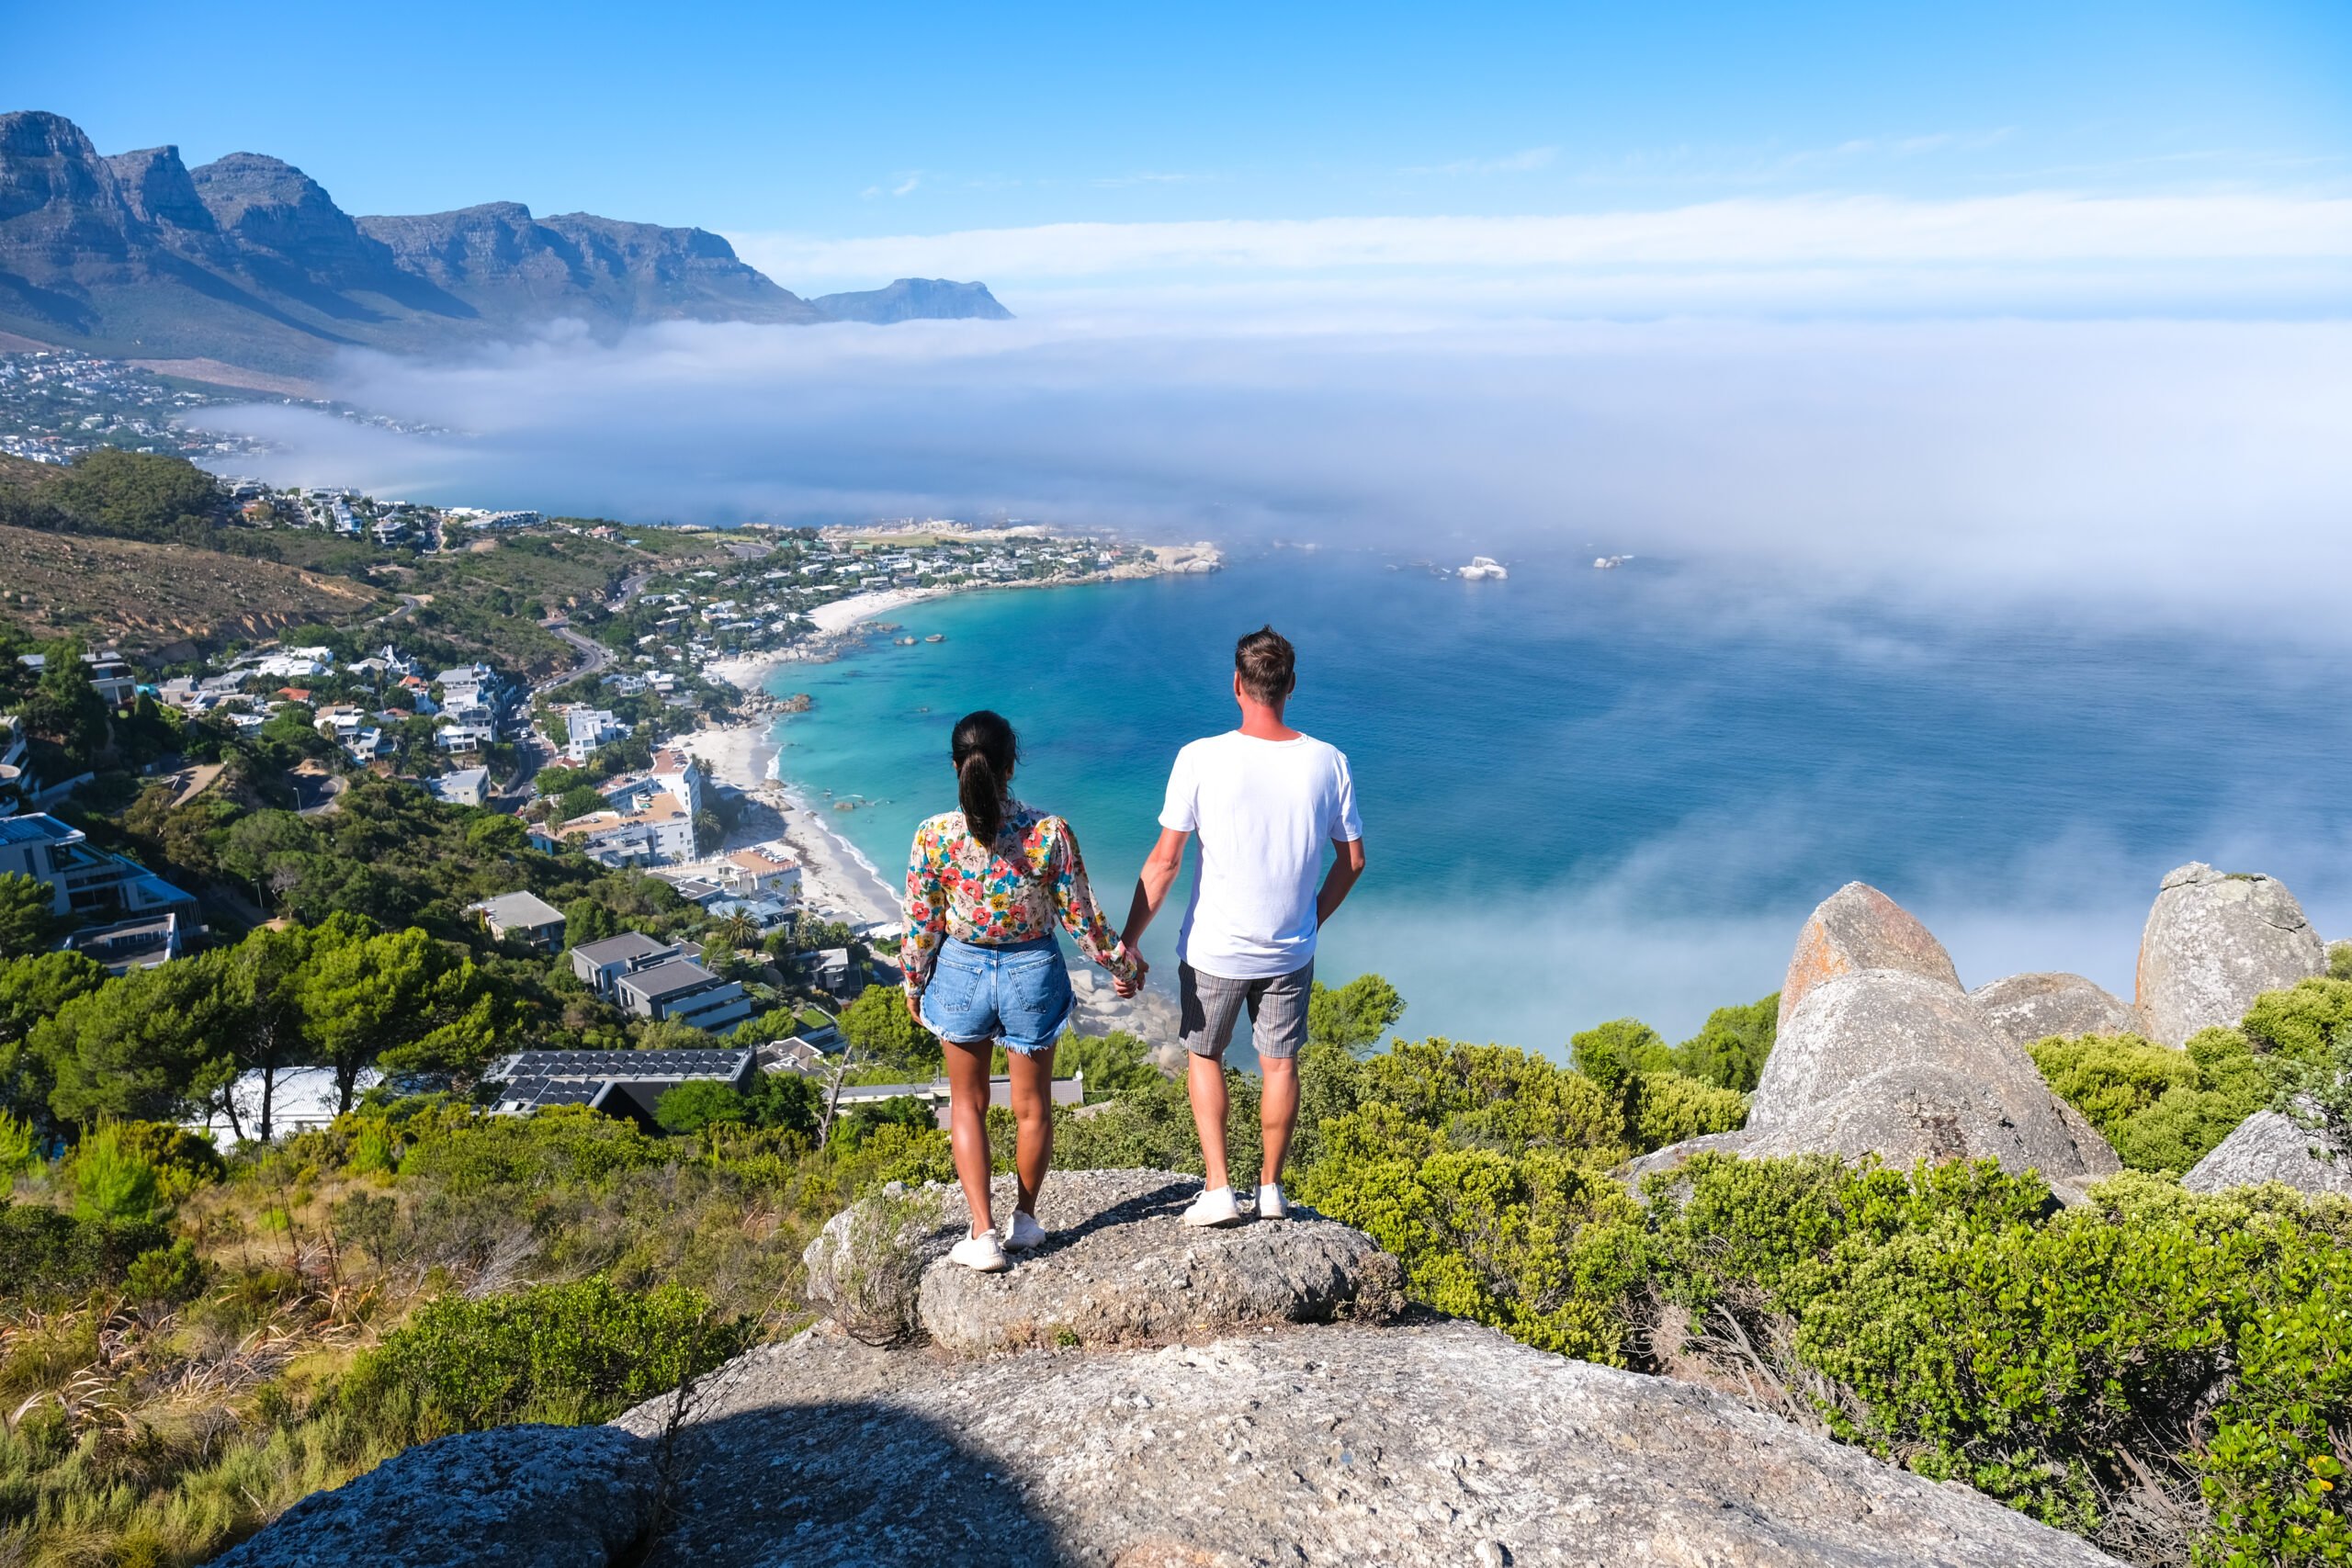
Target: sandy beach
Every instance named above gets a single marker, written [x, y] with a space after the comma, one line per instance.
[835, 881]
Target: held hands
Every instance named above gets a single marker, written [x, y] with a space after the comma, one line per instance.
[1128, 987]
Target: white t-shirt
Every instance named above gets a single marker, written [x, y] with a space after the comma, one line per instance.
[1263, 811]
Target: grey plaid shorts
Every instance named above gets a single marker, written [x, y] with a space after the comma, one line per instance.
[1209, 1005]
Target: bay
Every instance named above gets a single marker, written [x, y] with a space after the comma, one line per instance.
[1598, 794]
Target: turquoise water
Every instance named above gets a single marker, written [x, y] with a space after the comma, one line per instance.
[1594, 794]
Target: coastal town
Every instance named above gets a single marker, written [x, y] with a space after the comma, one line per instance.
[627, 729]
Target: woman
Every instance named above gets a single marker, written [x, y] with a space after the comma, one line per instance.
[985, 886]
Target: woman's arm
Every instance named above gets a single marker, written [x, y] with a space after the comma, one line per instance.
[1083, 918]
[926, 911]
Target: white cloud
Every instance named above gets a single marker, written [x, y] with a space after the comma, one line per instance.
[1747, 238]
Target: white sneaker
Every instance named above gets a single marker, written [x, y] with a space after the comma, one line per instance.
[981, 1253]
[1215, 1209]
[1271, 1205]
[1023, 1233]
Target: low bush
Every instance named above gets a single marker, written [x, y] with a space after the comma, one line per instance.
[51, 1255]
[2162, 1109]
[569, 1353]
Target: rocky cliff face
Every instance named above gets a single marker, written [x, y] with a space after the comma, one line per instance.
[1243, 1433]
[249, 260]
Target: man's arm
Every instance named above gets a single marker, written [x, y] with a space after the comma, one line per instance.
[1340, 878]
[1160, 869]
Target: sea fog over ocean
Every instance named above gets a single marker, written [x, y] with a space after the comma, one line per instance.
[1593, 793]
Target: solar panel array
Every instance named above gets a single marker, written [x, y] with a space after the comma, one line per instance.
[600, 1065]
[531, 1094]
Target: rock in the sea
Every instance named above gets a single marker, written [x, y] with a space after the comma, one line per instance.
[1437, 1444]
[1898, 1063]
[517, 1495]
[2270, 1146]
[1856, 927]
[2213, 943]
[2028, 1008]
[1119, 1270]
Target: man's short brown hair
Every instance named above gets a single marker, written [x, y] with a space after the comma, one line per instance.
[1267, 664]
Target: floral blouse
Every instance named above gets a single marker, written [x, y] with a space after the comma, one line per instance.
[996, 895]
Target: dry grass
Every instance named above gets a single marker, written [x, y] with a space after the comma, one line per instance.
[138, 595]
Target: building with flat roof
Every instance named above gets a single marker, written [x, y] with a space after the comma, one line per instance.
[600, 965]
[462, 786]
[83, 880]
[681, 989]
[142, 941]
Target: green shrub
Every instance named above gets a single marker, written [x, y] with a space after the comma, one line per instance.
[50, 1254]
[1535, 1244]
[111, 1179]
[699, 1103]
[569, 1145]
[2162, 1109]
[2301, 1022]
[169, 1274]
[571, 1353]
[1730, 1047]
[2339, 959]
[19, 1150]
[1956, 1321]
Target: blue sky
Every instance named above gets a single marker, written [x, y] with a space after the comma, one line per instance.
[841, 123]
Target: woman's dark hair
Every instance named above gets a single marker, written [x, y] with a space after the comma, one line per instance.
[985, 749]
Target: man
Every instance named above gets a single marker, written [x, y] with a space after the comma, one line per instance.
[1265, 800]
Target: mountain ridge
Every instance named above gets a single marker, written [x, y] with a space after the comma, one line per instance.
[248, 261]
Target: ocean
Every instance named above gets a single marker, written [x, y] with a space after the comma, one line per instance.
[1591, 794]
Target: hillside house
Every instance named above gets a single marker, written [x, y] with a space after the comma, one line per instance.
[522, 917]
[600, 965]
[619, 1083]
[83, 880]
[683, 990]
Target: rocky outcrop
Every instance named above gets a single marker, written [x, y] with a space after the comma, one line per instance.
[2028, 1008]
[2213, 943]
[1898, 1063]
[1856, 928]
[1118, 1271]
[2270, 1146]
[516, 1496]
[1441, 1444]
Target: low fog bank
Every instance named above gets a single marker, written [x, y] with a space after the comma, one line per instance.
[1534, 970]
[2123, 467]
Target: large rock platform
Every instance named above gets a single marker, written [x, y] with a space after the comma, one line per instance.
[1119, 1270]
[1439, 1443]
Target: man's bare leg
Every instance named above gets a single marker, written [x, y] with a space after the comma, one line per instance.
[1205, 1080]
[1277, 1114]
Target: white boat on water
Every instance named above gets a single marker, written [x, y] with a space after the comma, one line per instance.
[1482, 567]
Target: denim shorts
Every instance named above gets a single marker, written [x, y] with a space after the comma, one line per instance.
[1019, 995]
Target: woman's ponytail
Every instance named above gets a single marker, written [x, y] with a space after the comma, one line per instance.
[985, 749]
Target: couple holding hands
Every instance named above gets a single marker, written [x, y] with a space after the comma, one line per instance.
[988, 884]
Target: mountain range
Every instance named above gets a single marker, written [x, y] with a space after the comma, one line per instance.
[248, 262]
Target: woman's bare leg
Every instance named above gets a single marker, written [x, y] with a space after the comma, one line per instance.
[1033, 1116]
[967, 1127]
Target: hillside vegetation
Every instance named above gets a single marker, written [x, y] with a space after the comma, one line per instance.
[193, 1344]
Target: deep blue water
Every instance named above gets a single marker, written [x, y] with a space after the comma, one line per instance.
[1591, 794]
